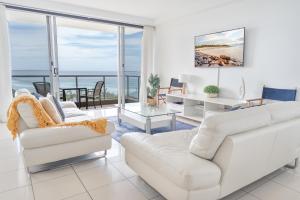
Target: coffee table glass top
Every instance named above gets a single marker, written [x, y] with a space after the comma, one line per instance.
[149, 111]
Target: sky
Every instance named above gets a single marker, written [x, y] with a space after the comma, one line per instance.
[233, 37]
[78, 49]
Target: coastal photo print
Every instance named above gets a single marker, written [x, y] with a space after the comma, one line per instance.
[222, 49]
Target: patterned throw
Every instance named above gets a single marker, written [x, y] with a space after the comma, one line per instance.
[44, 120]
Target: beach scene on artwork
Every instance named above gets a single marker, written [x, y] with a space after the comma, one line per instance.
[222, 49]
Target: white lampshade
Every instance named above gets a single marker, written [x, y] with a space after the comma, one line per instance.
[183, 78]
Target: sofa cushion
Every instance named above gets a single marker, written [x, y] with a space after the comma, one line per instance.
[51, 110]
[283, 111]
[42, 137]
[168, 154]
[215, 128]
[22, 91]
[73, 112]
[57, 105]
[27, 115]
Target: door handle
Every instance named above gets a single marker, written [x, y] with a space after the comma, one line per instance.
[55, 71]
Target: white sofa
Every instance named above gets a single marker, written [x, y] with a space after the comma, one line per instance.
[228, 152]
[45, 145]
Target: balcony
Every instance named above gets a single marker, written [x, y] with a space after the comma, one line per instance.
[109, 94]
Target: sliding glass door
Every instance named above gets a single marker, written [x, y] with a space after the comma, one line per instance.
[87, 53]
[29, 50]
[132, 62]
[72, 54]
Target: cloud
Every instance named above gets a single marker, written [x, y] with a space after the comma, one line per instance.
[77, 49]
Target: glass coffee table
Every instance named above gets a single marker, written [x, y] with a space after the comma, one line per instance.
[147, 117]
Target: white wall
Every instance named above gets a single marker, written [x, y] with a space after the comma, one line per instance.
[272, 51]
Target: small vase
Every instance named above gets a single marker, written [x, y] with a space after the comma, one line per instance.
[212, 95]
[242, 91]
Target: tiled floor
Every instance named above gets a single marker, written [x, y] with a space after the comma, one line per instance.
[111, 179]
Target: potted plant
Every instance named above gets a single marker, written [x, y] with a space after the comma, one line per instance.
[154, 82]
[211, 91]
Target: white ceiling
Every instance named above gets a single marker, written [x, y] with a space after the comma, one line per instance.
[157, 10]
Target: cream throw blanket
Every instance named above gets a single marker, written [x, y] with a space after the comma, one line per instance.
[44, 120]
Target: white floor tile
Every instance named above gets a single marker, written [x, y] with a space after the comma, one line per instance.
[8, 143]
[248, 197]
[295, 171]
[116, 153]
[159, 198]
[116, 158]
[6, 153]
[117, 191]
[256, 184]
[89, 164]
[288, 179]
[11, 164]
[234, 196]
[24, 193]
[51, 174]
[4, 133]
[99, 176]
[143, 187]
[58, 188]
[276, 173]
[13, 179]
[124, 169]
[274, 191]
[83, 196]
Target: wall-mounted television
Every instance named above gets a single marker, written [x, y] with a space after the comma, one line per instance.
[220, 49]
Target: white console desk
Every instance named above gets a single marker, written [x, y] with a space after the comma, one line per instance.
[195, 107]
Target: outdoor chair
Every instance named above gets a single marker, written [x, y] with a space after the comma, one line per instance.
[42, 88]
[96, 93]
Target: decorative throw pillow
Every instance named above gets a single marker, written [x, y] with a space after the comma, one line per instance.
[215, 128]
[26, 113]
[54, 100]
[22, 91]
[51, 110]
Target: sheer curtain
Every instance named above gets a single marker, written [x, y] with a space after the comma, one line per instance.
[147, 66]
[5, 66]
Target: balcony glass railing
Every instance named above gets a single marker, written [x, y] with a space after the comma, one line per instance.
[110, 90]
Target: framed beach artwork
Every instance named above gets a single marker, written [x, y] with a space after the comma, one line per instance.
[221, 49]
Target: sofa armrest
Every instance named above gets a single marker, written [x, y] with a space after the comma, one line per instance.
[68, 104]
